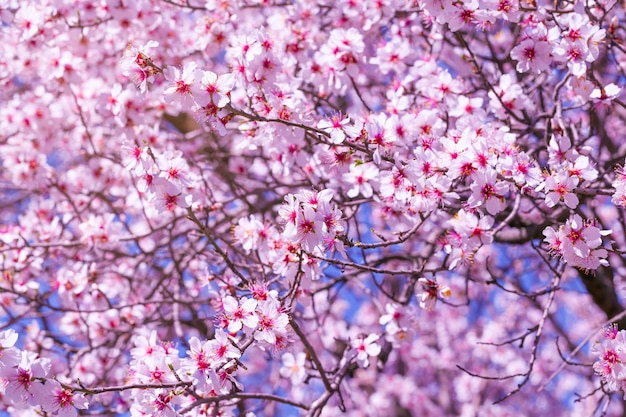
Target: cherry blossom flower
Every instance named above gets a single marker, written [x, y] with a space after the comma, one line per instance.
[532, 55]
[9, 355]
[146, 347]
[360, 179]
[133, 158]
[248, 232]
[137, 64]
[606, 94]
[288, 212]
[181, 83]
[575, 55]
[472, 228]
[220, 348]
[610, 352]
[582, 168]
[251, 195]
[167, 196]
[215, 89]
[366, 347]
[399, 325]
[487, 191]
[392, 56]
[153, 370]
[158, 402]
[430, 290]
[56, 399]
[272, 322]
[578, 242]
[309, 228]
[619, 184]
[175, 169]
[559, 187]
[240, 315]
[20, 378]
[508, 96]
[293, 367]
[335, 127]
[199, 354]
[343, 48]
[100, 231]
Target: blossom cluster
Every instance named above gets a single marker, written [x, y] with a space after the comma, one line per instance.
[610, 352]
[26, 381]
[163, 178]
[578, 242]
[619, 196]
[228, 208]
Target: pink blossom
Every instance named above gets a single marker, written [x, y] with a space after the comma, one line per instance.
[215, 89]
[308, 228]
[272, 322]
[21, 378]
[605, 95]
[472, 228]
[248, 232]
[137, 64]
[240, 315]
[559, 187]
[221, 349]
[487, 191]
[9, 355]
[360, 180]
[294, 367]
[619, 196]
[180, 87]
[212, 207]
[430, 291]
[532, 55]
[168, 197]
[578, 242]
[335, 127]
[54, 398]
[366, 347]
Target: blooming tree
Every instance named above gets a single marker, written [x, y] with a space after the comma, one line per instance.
[311, 207]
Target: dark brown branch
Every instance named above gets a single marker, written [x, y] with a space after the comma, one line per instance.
[600, 287]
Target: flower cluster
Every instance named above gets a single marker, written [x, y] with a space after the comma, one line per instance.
[25, 381]
[312, 221]
[578, 242]
[138, 65]
[610, 352]
[210, 366]
[164, 178]
[214, 207]
[619, 196]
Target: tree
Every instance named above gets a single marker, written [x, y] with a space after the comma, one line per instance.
[319, 208]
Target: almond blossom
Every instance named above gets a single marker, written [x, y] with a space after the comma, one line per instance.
[366, 347]
[181, 82]
[20, 379]
[215, 89]
[242, 315]
[294, 367]
[429, 291]
[60, 401]
[487, 191]
[532, 55]
[578, 242]
[272, 322]
[9, 355]
[386, 208]
[559, 187]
